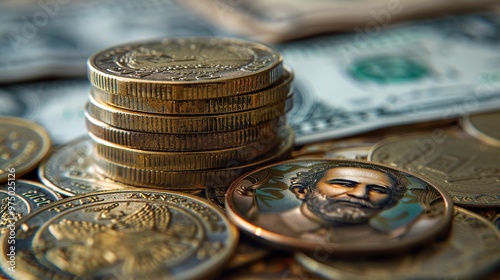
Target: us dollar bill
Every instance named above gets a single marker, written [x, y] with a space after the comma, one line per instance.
[428, 70]
[56, 105]
[50, 38]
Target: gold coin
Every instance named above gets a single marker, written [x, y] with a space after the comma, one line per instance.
[466, 169]
[23, 144]
[155, 123]
[20, 198]
[485, 127]
[471, 251]
[196, 179]
[70, 170]
[185, 68]
[122, 234]
[185, 142]
[221, 105]
[180, 161]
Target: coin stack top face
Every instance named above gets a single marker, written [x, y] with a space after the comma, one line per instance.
[185, 68]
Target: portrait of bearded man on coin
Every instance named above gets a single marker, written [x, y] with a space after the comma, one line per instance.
[338, 203]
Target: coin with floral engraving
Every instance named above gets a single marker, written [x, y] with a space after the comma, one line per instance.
[23, 144]
[185, 68]
[122, 234]
[466, 169]
[470, 252]
[345, 207]
[20, 197]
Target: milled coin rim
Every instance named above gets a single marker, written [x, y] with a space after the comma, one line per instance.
[221, 105]
[339, 249]
[175, 124]
[199, 179]
[186, 90]
[184, 142]
[51, 185]
[43, 152]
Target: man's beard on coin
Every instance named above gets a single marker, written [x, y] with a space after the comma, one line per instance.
[333, 210]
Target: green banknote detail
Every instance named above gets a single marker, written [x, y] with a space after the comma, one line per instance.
[386, 70]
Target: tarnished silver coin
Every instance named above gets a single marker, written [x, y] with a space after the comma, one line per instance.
[470, 252]
[70, 170]
[348, 208]
[20, 197]
[466, 169]
[122, 234]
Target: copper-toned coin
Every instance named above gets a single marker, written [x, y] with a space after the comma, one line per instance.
[186, 142]
[70, 170]
[23, 144]
[185, 68]
[485, 127]
[466, 169]
[122, 234]
[347, 208]
[20, 197]
[180, 161]
[470, 252]
[222, 105]
[195, 179]
[155, 123]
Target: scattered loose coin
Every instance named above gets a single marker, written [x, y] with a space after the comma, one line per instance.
[125, 234]
[23, 144]
[186, 142]
[485, 127]
[470, 252]
[70, 170]
[468, 170]
[155, 123]
[195, 179]
[21, 197]
[351, 208]
[185, 68]
[222, 105]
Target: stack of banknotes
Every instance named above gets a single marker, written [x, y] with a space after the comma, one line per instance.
[157, 139]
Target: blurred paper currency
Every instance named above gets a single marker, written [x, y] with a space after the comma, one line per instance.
[53, 38]
[427, 70]
[282, 20]
[345, 83]
[56, 105]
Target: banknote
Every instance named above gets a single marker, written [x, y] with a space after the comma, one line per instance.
[56, 105]
[283, 20]
[414, 72]
[55, 37]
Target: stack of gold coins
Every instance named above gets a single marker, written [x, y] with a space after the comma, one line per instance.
[186, 113]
